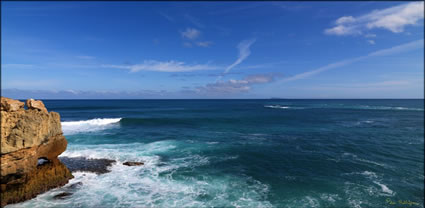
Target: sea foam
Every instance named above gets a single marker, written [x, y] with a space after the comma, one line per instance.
[157, 183]
[73, 127]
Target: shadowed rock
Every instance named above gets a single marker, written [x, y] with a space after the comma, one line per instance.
[75, 185]
[133, 163]
[62, 195]
[98, 166]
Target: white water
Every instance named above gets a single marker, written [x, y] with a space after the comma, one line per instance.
[158, 183]
[73, 127]
[276, 106]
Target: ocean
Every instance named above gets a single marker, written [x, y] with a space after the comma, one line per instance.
[244, 153]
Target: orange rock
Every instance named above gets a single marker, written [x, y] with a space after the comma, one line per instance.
[11, 105]
[26, 137]
[36, 104]
[27, 128]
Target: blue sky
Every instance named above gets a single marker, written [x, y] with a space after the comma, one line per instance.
[212, 49]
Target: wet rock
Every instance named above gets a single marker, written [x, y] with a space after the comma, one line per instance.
[11, 105]
[75, 185]
[62, 195]
[98, 166]
[36, 104]
[133, 163]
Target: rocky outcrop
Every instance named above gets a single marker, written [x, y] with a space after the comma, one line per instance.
[36, 104]
[10, 105]
[27, 138]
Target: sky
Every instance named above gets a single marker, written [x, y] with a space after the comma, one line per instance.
[207, 50]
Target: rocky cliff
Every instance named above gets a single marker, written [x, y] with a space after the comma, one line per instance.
[31, 141]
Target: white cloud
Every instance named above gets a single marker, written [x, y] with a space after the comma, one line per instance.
[190, 33]
[384, 52]
[393, 19]
[244, 52]
[346, 19]
[342, 30]
[167, 66]
[372, 42]
[236, 86]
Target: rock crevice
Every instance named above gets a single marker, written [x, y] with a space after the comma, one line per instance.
[26, 137]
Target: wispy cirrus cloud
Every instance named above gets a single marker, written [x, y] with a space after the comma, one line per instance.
[190, 33]
[384, 52]
[164, 66]
[244, 52]
[166, 16]
[371, 42]
[394, 19]
[194, 20]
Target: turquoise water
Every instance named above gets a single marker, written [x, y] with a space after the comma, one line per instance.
[244, 153]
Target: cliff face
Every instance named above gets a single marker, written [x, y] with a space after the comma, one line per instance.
[31, 141]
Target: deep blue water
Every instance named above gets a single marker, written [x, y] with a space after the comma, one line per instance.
[245, 153]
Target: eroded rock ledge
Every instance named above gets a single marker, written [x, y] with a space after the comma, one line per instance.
[31, 141]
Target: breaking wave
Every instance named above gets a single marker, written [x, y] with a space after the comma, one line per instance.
[73, 127]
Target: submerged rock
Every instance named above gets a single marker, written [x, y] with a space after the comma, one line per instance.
[98, 166]
[75, 185]
[31, 141]
[62, 195]
[133, 163]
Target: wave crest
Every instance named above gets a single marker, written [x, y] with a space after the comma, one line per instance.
[73, 127]
[276, 106]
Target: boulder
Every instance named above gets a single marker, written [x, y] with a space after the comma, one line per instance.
[31, 141]
[133, 163]
[36, 104]
[11, 105]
